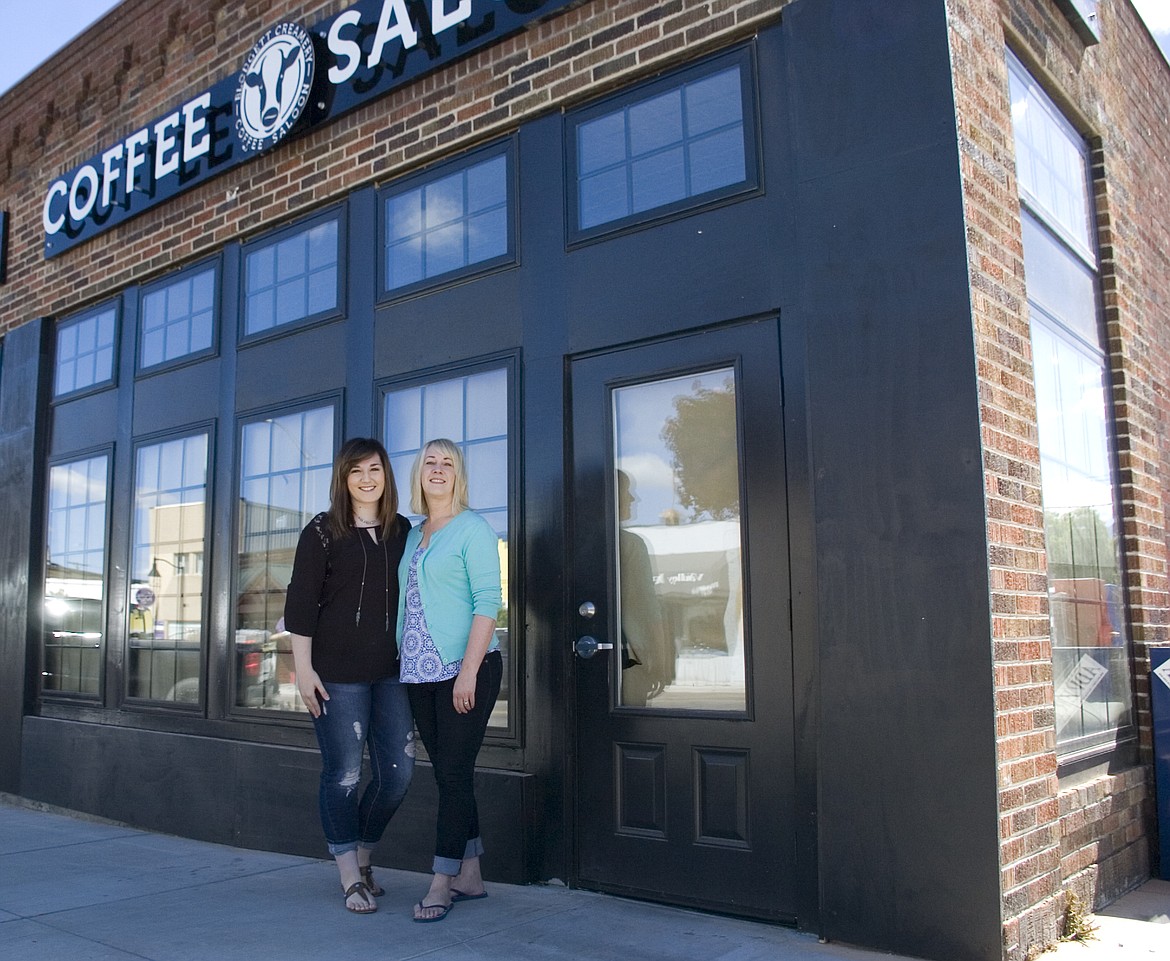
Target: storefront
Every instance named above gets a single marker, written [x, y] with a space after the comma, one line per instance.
[808, 617]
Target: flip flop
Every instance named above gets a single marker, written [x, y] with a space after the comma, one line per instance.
[457, 895]
[359, 887]
[446, 909]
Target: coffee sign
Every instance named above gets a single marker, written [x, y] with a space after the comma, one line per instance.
[292, 80]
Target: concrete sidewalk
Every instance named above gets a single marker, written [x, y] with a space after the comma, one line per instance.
[77, 889]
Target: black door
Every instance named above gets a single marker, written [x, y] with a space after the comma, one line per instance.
[681, 625]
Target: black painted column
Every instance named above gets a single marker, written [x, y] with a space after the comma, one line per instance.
[24, 393]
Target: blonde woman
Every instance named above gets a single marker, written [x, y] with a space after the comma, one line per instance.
[451, 664]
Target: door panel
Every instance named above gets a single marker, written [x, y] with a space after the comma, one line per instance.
[682, 633]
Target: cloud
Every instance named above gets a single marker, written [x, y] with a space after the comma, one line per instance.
[1156, 14]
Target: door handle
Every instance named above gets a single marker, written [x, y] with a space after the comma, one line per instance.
[586, 646]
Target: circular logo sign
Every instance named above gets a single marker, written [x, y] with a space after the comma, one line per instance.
[144, 597]
[274, 86]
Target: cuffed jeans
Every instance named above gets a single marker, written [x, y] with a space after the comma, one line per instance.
[452, 741]
[355, 717]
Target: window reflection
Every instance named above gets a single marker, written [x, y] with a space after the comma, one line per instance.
[75, 576]
[285, 468]
[472, 411]
[1089, 651]
[679, 563]
[166, 591]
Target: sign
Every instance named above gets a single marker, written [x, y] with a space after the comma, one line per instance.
[292, 81]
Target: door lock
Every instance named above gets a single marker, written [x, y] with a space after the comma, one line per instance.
[586, 646]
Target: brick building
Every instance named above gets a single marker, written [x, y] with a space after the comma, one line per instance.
[854, 315]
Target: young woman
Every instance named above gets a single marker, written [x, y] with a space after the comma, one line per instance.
[343, 593]
[451, 664]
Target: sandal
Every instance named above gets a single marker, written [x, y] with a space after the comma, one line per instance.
[368, 878]
[359, 888]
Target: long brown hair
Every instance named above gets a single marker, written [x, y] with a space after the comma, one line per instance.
[353, 452]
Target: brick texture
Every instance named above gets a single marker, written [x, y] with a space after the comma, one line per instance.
[1094, 838]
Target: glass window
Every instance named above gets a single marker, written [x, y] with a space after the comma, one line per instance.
[285, 467]
[292, 277]
[178, 319]
[75, 576]
[472, 411]
[665, 147]
[85, 352]
[1090, 639]
[447, 224]
[679, 545]
[165, 629]
[1051, 162]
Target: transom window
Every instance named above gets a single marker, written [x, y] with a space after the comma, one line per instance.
[75, 576]
[165, 629]
[178, 319]
[293, 277]
[285, 466]
[85, 352]
[668, 146]
[450, 223]
[472, 411]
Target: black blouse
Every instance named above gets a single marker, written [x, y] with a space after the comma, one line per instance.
[344, 595]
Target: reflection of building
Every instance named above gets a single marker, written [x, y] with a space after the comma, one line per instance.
[867, 230]
[699, 583]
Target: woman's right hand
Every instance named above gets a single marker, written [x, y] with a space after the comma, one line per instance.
[310, 687]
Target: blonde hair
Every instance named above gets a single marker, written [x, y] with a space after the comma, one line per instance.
[459, 496]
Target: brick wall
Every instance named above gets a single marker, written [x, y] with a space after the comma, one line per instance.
[147, 57]
[1093, 838]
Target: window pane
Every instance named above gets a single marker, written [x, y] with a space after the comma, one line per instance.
[679, 544]
[601, 143]
[1051, 159]
[472, 406]
[164, 636]
[656, 123]
[443, 410]
[718, 160]
[714, 102]
[487, 415]
[658, 180]
[447, 225]
[292, 278]
[75, 577]
[1059, 282]
[285, 468]
[604, 197]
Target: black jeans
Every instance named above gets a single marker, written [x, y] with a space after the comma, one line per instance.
[452, 741]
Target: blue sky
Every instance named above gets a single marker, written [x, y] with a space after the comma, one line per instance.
[36, 29]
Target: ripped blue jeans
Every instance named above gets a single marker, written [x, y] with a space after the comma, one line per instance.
[359, 716]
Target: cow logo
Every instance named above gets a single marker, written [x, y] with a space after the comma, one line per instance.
[274, 86]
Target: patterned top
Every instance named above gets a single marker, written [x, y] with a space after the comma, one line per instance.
[421, 662]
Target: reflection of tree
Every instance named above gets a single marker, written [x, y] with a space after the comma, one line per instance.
[701, 437]
[1080, 545]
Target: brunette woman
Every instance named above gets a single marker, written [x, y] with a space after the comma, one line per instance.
[339, 609]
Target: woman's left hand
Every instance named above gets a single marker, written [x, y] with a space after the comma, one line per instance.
[463, 694]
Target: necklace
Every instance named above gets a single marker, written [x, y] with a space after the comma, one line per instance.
[362, 591]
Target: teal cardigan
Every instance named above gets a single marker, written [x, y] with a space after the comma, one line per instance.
[458, 577]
